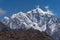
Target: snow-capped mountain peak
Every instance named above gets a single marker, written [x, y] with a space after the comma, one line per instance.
[36, 19]
[42, 12]
[39, 10]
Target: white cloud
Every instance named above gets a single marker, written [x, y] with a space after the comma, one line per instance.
[2, 11]
[49, 11]
[46, 7]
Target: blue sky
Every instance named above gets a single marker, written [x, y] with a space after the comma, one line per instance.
[9, 7]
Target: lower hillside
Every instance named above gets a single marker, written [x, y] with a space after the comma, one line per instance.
[24, 35]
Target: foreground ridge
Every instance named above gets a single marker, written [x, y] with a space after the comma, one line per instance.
[30, 34]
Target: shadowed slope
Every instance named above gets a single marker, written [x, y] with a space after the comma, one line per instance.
[30, 34]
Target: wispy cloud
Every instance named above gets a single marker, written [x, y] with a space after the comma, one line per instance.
[2, 11]
[49, 11]
[46, 7]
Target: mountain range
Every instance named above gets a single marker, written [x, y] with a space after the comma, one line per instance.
[36, 19]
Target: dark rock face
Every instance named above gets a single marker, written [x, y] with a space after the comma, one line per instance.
[31, 34]
[24, 35]
[3, 27]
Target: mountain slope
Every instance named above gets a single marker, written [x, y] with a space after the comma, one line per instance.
[3, 27]
[24, 35]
